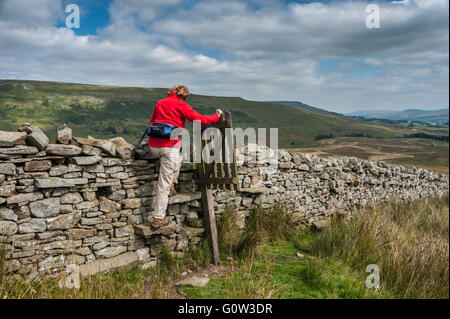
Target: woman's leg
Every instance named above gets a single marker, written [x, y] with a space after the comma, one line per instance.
[175, 180]
[171, 160]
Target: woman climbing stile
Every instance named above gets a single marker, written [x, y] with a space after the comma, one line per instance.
[170, 113]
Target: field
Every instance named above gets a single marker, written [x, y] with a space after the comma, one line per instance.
[404, 151]
[273, 258]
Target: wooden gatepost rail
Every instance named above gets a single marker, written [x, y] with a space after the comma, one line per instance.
[216, 175]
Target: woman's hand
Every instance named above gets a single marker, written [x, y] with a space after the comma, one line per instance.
[219, 112]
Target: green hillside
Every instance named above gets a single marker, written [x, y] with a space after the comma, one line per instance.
[428, 116]
[106, 111]
[306, 107]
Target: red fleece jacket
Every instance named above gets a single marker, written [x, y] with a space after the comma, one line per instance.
[172, 110]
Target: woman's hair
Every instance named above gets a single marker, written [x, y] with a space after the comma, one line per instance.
[179, 90]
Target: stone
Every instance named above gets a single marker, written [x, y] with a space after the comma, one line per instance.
[124, 231]
[193, 231]
[64, 221]
[108, 161]
[95, 239]
[191, 215]
[143, 254]
[8, 139]
[110, 252]
[80, 233]
[22, 211]
[303, 167]
[19, 150]
[100, 245]
[195, 223]
[25, 182]
[90, 150]
[58, 170]
[83, 251]
[51, 262]
[131, 203]
[48, 207]
[62, 149]
[73, 168]
[121, 175]
[193, 281]
[317, 168]
[38, 166]
[7, 190]
[184, 198]
[101, 265]
[68, 245]
[53, 182]
[26, 197]
[107, 146]
[49, 234]
[7, 169]
[253, 190]
[285, 165]
[321, 223]
[85, 141]
[12, 266]
[89, 196]
[117, 195]
[35, 225]
[71, 198]
[63, 134]
[7, 214]
[91, 221]
[37, 138]
[123, 148]
[87, 205]
[146, 231]
[8, 228]
[86, 160]
[108, 206]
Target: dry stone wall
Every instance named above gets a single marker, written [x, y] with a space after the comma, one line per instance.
[76, 201]
[314, 188]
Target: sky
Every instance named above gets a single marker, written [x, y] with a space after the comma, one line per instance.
[318, 52]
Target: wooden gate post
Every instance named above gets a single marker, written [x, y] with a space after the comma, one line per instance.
[215, 176]
[209, 218]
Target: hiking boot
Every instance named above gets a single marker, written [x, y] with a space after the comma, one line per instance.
[156, 222]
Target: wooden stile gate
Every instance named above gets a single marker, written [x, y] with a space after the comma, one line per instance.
[217, 175]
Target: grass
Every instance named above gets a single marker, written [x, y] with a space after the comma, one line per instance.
[408, 241]
[130, 282]
[277, 272]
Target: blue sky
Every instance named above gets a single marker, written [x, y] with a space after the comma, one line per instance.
[317, 52]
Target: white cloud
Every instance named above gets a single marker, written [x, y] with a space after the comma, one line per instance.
[260, 50]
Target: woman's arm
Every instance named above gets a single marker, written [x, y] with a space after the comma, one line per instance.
[193, 115]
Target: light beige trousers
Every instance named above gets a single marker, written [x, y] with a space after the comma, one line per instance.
[171, 160]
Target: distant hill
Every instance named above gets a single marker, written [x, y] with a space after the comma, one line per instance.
[108, 111]
[433, 116]
[306, 107]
